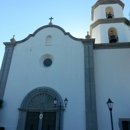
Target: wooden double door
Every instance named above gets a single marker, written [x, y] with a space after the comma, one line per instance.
[47, 122]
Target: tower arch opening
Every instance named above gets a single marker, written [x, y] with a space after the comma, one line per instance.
[109, 12]
[112, 35]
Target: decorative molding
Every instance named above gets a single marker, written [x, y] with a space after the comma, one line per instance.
[106, 21]
[88, 41]
[90, 93]
[102, 2]
[40, 100]
[112, 45]
[5, 67]
[40, 96]
[41, 28]
[9, 44]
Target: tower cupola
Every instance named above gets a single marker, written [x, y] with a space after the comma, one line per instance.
[102, 8]
[109, 22]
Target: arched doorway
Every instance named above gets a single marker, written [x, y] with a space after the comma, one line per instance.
[37, 111]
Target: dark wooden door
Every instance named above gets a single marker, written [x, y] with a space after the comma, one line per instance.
[49, 121]
[32, 121]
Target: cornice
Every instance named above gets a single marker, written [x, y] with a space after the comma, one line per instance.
[88, 41]
[105, 2]
[121, 45]
[106, 21]
[9, 44]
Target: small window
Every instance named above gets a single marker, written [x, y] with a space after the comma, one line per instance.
[48, 40]
[47, 62]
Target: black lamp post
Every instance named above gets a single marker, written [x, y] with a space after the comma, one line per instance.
[60, 106]
[110, 106]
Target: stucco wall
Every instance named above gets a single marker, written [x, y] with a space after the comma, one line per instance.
[100, 11]
[65, 76]
[112, 80]
[127, 30]
[96, 33]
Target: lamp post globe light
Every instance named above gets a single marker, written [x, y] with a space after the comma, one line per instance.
[60, 106]
[110, 107]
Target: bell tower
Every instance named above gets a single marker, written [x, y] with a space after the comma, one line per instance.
[109, 22]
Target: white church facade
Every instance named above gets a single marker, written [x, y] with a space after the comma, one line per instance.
[51, 64]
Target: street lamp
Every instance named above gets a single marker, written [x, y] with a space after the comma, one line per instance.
[60, 106]
[110, 106]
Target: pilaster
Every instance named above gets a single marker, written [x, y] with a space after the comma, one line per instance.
[5, 67]
[90, 95]
[22, 119]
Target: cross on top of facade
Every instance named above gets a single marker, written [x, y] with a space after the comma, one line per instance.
[51, 21]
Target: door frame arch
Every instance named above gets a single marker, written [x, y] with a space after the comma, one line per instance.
[42, 98]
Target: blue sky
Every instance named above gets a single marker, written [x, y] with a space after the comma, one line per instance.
[23, 17]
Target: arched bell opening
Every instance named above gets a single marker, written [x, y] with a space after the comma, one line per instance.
[37, 110]
[109, 13]
[112, 35]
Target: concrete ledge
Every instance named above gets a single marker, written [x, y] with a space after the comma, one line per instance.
[106, 21]
[112, 45]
